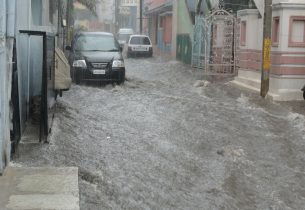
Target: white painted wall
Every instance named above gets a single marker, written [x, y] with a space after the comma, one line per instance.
[285, 15]
[282, 87]
[254, 32]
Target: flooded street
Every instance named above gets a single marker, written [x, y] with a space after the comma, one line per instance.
[164, 141]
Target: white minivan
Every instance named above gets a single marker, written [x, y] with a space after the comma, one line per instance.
[123, 35]
[139, 45]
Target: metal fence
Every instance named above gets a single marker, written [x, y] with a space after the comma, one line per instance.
[214, 44]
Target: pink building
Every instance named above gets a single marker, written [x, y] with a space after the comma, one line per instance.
[159, 22]
[287, 75]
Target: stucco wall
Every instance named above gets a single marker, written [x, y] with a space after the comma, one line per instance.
[184, 33]
[249, 54]
[185, 25]
[254, 31]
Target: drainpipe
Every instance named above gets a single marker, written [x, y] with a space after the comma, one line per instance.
[10, 35]
[2, 82]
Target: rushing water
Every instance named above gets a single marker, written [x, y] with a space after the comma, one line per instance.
[159, 142]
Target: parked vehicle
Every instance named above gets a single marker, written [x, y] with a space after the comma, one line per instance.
[303, 89]
[96, 56]
[124, 35]
[139, 45]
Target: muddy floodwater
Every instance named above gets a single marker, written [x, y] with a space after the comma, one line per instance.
[164, 140]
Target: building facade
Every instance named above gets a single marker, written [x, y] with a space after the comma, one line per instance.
[128, 15]
[159, 23]
[106, 15]
[23, 65]
[287, 75]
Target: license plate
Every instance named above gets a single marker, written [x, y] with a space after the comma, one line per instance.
[99, 72]
[140, 49]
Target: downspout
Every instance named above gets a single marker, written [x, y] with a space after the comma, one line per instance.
[2, 83]
[10, 32]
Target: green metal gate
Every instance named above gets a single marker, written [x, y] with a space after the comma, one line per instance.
[199, 42]
[214, 43]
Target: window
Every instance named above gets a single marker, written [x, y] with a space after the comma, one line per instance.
[136, 40]
[275, 31]
[243, 33]
[297, 31]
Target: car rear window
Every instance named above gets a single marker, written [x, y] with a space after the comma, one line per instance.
[140, 40]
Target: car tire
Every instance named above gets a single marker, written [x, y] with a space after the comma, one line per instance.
[77, 78]
[304, 95]
[121, 79]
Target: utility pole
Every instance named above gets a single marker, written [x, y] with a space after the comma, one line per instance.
[266, 61]
[69, 21]
[116, 8]
[141, 16]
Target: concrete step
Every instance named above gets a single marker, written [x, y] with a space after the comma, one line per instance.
[24, 188]
[247, 83]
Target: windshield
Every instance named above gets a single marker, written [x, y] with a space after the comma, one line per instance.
[96, 43]
[140, 40]
[124, 37]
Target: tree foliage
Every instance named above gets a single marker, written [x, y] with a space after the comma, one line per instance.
[235, 5]
[90, 4]
[231, 5]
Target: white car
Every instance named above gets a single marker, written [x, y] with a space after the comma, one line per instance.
[139, 45]
[123, 35]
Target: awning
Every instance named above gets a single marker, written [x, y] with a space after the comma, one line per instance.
[157, 7]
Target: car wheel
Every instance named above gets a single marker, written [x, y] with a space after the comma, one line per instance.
[77, 78]
[121, 79]
[304, 95]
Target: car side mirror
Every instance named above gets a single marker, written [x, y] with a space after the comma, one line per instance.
[68, 48]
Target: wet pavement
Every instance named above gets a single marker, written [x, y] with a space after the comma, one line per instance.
[161, 142]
